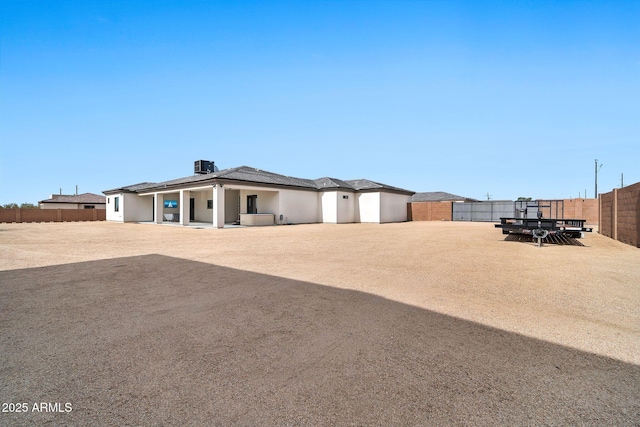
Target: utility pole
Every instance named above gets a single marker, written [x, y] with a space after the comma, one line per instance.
[488, 196]
[621, 180]
[597, 169]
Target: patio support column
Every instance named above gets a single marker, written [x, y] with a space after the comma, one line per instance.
[218, 205]
[184, 207]
[158, 211]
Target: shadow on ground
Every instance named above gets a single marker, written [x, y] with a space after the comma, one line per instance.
[157, 340]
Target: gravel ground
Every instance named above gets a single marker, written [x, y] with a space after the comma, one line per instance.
[422, 323]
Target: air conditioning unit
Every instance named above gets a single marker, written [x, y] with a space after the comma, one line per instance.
[204, 167]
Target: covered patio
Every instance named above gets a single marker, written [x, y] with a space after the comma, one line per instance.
[214, 206]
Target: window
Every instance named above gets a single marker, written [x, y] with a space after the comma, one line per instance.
[89, 206]
[209, 204]
[116, 204]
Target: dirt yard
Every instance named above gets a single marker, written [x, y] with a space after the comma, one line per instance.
[420, 323]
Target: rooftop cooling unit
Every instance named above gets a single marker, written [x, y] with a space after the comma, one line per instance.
[203, 167]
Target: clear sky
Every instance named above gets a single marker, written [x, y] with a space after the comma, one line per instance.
[513, 98]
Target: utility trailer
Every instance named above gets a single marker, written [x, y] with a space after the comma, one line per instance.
[549, 230]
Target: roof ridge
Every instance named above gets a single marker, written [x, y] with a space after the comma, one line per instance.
[226, 171]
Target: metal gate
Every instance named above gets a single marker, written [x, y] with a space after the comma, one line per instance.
[492, 211]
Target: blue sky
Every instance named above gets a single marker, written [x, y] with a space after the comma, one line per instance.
[513, 98]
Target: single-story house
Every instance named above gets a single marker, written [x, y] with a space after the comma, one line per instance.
[248, 196]
[76, 201]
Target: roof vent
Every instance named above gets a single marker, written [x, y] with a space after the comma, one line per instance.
[201, 167]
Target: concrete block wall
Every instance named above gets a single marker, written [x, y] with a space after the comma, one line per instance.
[586, 209]
[607, 214]
[429, 211]
[51, 215]
[620, 214]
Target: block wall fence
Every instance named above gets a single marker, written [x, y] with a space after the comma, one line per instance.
[52, 215]
[586, 209]
[620, 214]
[429, 211]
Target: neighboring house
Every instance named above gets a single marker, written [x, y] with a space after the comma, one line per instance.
[251, 196]
[78, 201]
[439, 196]
[434, 206]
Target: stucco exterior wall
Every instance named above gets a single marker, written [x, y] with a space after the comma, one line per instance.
[112, 215]
[201, 213]
[266, 202]
[131, 208]
[346, 207]
[71, 205]
[300, 207]
[368, 207]
[59, 206]
[231, 205]
[393, 207]
[329, 207]
[138, 208]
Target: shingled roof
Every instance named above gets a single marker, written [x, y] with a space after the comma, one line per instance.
[365, 184]
[249, 174]
[132, 188]
[326, 182]
[76, 198]
[252, 175]
[439, 196]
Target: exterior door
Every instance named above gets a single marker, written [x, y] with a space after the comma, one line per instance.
[192, 209]
[252, 206]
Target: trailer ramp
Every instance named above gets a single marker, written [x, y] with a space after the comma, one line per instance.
[553, 239]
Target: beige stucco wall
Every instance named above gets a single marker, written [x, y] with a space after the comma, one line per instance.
[346, 207]
[201, 213]
[266, 202]
[231, 205]
[368, 207]
[328, 207]
[300, 207]
[137, 208]
[70, 205]
[132, 208]
[58, 206]
[111, 214]
[393, 207]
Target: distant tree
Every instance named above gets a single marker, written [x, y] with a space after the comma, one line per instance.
[29, 206]
[19, 206]
[523, 199]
